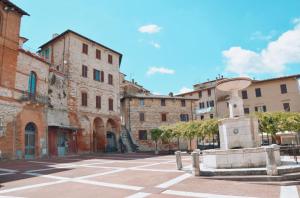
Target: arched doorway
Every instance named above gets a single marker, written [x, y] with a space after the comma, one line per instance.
[30, 136]
[111, 136]
[98, 135]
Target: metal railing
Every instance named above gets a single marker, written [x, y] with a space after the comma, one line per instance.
[34, 97]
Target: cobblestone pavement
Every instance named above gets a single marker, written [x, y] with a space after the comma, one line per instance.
[121, 175]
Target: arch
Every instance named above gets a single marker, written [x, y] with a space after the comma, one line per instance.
[32, 81]
[30, 140]
[99, 139]
[112, 135]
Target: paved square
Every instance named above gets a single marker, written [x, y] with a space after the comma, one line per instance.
[122, 175]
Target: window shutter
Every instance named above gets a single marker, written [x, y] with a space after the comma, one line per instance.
[102, 76]
[256, 109]
[264, 108]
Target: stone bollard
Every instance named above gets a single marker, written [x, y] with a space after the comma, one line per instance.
[178, 160]
[198, 151]
[271, 165]
[195, 164]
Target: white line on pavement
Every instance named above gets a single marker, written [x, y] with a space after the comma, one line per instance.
[289, 192]
[139, 195]
[10, 197]
[8, 170]
[156, 170]
[31, 186]
[111, 185]
[173, 181]
[48, 176]
[100, 174]
[199, 195]
[6, 174]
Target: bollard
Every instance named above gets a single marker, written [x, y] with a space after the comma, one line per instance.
[195, 164]
[198, 151]
[271, 166]
[178, 160]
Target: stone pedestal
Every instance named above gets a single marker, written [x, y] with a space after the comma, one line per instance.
[195, 164]
[239, 132]
[271, 165]
[178, 160]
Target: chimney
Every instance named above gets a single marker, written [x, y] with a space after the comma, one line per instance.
[55, 35]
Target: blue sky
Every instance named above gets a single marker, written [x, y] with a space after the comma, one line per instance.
[169, 45]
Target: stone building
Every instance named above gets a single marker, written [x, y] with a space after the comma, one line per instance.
[23, 91]
[142, 111]
[84, 112]
[274, 94]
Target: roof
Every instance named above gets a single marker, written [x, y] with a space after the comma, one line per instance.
[159, 97]
[277, 78]
[90, 40]
[18, 9]
[33, 55]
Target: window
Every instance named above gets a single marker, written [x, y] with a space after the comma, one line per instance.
[244, 94]
[110, 79]
[84, 99]
[163, 102]
[286, 107]
[96, 75]
[143, 135]
[102, 76]
[110, 59]
[260, 108]
[98, 54]
[283, 89]
[209, 92]
[85, 48]
[184, 117]
[258, 92]
[84, 72]
[211, 103]
[202, 117]
[142, 102]
[183, 103]
[200, 94]
[98, 102]
[201, 105]
[142, 116]
[211, 116]
[163, 117]
[246, 110]
[32, 83]
[47, 53]
[110, 104]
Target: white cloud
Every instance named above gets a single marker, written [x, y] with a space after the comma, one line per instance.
[273, 59]
[154, 44]
[160, 70]
[185, 90]
[150, 29]
[296, 22]
[258, 35]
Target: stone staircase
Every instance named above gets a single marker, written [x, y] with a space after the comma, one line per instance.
[128, 141]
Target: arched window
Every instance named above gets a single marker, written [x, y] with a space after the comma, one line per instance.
[32, 83]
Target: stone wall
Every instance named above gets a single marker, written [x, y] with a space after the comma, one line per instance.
[152, 111]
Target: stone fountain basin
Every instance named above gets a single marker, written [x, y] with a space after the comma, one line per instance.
[238, 158]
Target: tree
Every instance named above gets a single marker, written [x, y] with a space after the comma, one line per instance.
[167, 134]
[189, 131]
[209, 128]
[155, 136]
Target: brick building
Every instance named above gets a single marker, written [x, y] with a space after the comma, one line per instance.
[142, 111]
[23, 90]
[84, 107]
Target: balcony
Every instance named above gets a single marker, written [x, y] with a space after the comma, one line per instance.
[199, 111]
[34, 98]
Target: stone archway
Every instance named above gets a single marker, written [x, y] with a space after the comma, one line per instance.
[30, 140]
[99, 139]
[112, 135]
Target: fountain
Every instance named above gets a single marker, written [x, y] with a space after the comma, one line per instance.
[239, 139]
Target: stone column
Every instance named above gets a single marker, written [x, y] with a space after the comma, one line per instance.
[198, 151]
[178, 160]
[195, 164]
[271, 166]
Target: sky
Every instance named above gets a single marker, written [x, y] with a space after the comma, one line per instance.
[170, 45]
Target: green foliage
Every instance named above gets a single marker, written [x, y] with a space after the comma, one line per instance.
[156, 134]
[273, 122]
[209, 128]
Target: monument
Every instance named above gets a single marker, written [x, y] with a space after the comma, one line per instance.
[239, 139]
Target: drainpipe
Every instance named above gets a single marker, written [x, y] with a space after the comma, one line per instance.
[129, 122]
[14, 139]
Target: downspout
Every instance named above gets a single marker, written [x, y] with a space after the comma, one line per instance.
[2, 55]
[14, 139]
[129, 122]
